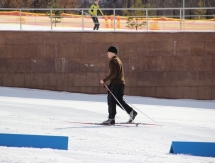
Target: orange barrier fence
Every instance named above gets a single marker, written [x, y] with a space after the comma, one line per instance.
[111, 17]
[111, 21]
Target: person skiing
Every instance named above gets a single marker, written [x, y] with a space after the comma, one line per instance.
[94, 9]
[117, 86]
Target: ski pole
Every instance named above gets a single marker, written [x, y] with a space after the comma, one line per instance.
[82, 11]
[119, 103]
[142, 112]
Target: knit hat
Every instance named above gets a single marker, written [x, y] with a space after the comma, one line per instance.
[112, 49]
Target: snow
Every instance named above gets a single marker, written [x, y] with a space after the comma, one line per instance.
[31, 111]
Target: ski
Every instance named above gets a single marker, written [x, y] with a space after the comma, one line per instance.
[116, 124]
[137, 123]
[102, 124]
[99, 124]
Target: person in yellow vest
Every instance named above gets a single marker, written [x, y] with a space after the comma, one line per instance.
[94, 9]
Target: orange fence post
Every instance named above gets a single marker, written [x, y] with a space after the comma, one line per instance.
[118, 22]
[106, 22]
[111, 20]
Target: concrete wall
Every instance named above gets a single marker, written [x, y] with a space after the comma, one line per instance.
[163, 65]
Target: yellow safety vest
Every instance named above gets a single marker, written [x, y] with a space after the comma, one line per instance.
[93, 10]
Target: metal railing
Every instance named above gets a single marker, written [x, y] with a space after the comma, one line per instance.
[121, 19]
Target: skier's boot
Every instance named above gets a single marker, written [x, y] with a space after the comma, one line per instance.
[109, 122]
[133, 114]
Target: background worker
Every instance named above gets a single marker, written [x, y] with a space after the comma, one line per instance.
[94, 9]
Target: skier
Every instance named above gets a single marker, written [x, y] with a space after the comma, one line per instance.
[117, 85]
[93, 12]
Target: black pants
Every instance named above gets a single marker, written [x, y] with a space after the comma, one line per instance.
[96, 22]
[118, 92]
